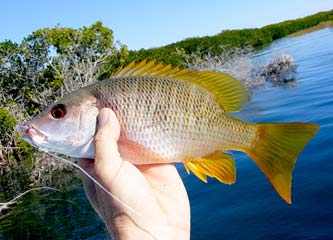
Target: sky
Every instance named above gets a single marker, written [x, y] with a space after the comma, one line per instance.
[150, 23]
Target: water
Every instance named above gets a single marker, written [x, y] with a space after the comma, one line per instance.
[249, 209]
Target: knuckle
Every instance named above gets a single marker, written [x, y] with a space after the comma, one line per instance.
[101, 136]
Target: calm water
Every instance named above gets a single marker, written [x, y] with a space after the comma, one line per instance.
[249, 209]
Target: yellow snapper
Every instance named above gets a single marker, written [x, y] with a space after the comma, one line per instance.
[171, 115]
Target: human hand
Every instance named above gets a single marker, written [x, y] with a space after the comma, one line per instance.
[155, 193]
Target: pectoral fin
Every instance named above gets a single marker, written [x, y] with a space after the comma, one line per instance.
[217, 165]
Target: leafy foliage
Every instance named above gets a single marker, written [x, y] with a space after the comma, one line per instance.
[46, 65]
[7, 122]
[230, 39]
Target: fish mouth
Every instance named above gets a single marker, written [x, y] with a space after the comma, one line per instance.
[32, 134]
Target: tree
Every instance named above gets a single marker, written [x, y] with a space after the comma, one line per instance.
[43, 67]
[80, 56]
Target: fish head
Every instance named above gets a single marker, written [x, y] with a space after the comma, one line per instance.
[67, 127]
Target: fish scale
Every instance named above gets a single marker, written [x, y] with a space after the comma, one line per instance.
[187, 117]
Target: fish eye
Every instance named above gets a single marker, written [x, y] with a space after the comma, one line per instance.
[58, 111]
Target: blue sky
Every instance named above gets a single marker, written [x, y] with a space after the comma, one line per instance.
[144, 24]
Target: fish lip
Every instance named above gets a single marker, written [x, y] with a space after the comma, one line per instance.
[31, 133]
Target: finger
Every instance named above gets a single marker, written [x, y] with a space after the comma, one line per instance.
[108, 118]
[169, 190]
[107, 157]
[166, 172]
[163, 177]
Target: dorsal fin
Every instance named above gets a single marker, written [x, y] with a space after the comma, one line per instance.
[229, 92]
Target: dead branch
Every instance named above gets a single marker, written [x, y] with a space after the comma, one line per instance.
[7, 207]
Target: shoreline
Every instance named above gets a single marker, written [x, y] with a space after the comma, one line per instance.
[322, 25]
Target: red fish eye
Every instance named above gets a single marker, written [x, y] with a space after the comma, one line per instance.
[58, 111]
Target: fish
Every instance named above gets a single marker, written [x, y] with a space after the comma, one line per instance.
[171, 115]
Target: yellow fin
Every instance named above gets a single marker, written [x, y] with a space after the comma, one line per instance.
[217, 165]
[229, 92]
[275, 150]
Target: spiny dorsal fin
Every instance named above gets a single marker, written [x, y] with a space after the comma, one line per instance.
[229, 92]
[217, 165]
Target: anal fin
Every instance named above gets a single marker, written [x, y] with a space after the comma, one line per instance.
[217, 165]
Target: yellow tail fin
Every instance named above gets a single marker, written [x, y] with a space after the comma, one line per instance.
[275, 150]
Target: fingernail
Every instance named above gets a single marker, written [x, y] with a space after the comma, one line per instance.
[103, 117]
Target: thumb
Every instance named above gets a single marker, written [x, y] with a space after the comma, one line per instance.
[107, 157]
[107, 119]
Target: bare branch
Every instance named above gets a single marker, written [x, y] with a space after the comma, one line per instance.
[6, 207]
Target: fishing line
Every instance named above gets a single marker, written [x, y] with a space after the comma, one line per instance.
[102, 187]
[94, 180]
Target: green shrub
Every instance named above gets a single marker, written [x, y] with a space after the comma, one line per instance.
[7, 122]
